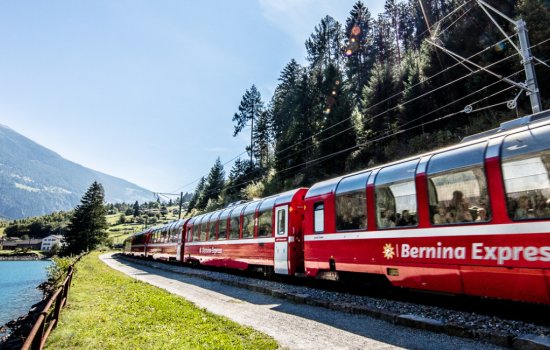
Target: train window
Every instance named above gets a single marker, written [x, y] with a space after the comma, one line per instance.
[264, 223]
[212, 227]
[196, 230]
[526, 169]
[234, 223]
[222, 224]
[351, 203]
[203, 228]
[249, 214]
[248, 226]
[265, 217]
[395, 192]
[319, 217]
[457, 186]
[281, 222]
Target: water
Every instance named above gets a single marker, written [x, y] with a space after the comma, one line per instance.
[18, 282]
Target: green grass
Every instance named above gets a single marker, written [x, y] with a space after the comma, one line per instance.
[108, 310]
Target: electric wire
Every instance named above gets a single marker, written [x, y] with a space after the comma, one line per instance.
[399, 106]
[398, 94]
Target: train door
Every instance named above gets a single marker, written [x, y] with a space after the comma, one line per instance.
[179, 240]
[281, 240]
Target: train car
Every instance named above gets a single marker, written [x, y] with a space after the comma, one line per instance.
[165, 242]
[263, 235]
[136, 244]
[471, 219]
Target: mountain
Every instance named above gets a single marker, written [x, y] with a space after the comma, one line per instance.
[35, 180]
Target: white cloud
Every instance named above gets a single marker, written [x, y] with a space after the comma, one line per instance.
[295, 17]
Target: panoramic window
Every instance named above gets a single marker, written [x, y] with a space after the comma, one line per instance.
[196, 229]
[351, 203]
[264, 223]
[458, 187]
[265, 217]
[212, 227]
[234, 225]
[248, 219]
[203, 227]
[396, 196]
[526, 171]
[222, 224]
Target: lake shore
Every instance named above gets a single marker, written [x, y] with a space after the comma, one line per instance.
[22, 257]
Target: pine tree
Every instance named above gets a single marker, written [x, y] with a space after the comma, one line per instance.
[358, 48]
[213, 186]
[325, 45]
[239, 177]
[262, 133]
[136, 209]
[336, 121]
[284, 101]
[250, 109]
[87, 228]
[196, 195]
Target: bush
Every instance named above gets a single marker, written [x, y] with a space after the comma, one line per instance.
[56, 273]
[121, 219]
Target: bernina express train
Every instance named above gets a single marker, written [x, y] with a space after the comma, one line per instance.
[473, 218]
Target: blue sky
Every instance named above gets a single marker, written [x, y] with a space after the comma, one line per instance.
[145, 90]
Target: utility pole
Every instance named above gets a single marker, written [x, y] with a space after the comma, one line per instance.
[181, 204]
[252, 131]
[531, 86]
[529, 67]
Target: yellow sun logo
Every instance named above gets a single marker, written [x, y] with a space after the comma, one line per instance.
[388, 251]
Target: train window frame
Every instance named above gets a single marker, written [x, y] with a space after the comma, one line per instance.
[453, 168]
[396, 176]
[527, 200]
[318, 217]
[347, 190]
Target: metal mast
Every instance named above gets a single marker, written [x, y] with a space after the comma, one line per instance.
[530, 86]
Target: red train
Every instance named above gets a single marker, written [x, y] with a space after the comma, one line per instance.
[471, 219]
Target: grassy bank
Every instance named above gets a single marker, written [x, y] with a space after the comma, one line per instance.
[108, 310]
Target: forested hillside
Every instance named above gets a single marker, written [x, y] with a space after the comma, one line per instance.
[375, 90]
[36, 181]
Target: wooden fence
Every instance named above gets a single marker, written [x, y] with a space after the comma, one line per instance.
[49, 317]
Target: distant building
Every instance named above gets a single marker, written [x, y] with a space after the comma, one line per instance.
[49, 242]
[33, 244]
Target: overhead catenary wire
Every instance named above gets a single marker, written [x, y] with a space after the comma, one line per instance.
[396, 107]
[397, 94]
